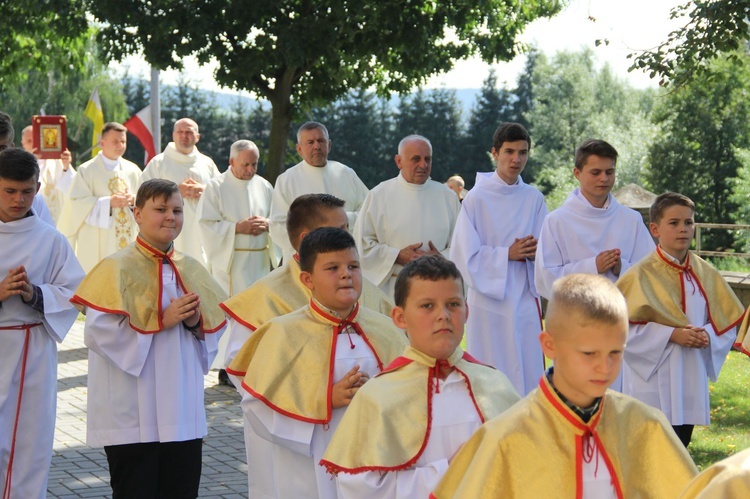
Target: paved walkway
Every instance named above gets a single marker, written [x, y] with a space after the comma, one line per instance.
[80, 471]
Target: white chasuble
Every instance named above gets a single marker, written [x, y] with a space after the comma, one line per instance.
[333, 178]
[505, 319]
[177, 167]
[98, 229]
[55, 184]
[28, 346]
[575, 233]
[397, 214]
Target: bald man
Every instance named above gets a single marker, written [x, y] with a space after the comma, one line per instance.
[183, 164]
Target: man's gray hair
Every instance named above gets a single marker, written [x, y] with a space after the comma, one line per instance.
[410, 138]
[242, 145]
[311, 125]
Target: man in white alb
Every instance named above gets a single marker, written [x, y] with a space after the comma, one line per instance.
[315, 174]
[55, 175]
[98, 213]
[183, 164]
[405, 217]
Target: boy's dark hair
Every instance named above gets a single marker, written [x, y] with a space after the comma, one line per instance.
[18, 165]
[309, 211]
[510, 132]
[594, 147]
[664, 201]
[322, 240]
[428, 268]
[155, 188]
[113, 126]
[6, 128]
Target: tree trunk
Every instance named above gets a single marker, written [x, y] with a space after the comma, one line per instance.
[281, 120]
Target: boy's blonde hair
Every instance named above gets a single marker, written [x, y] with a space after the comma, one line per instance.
[591, 298]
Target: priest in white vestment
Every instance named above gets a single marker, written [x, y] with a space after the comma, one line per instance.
[315, 174]
[38, 275]
[183, 164]
[495, 255]
[233, 215]
[591, 232]
[98, 214]
[55, 175]
[405, 217]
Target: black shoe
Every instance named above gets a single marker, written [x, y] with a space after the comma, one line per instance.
[224, 378]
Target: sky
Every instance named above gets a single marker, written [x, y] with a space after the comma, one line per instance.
[629, 25]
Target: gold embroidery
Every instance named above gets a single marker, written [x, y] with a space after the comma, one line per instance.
[124, 229]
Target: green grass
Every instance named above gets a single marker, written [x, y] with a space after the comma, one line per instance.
[729, 432]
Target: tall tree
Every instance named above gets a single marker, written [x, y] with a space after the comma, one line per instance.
[711, 29]
[293, 52]
[703, 125]
[493, 106]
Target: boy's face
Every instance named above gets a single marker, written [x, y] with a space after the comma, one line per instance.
[511, 159]
[334, 217]
[597, 177]
[675, 230]
[587, 357]
[160, 220]
[433, 316]
[336, 280]
[16, 198]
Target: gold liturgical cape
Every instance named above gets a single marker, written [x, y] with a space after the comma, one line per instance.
[655, 293]
[128, 283]
[282, 292]
[727, 479]
[534, 449]
[288, 361]
[387, 425]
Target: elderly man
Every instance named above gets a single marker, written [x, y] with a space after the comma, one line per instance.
[315, 174]
[98, 212]
[55, 175]
[405, 217]
[183, 164]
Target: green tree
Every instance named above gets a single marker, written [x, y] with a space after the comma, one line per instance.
[712, 29]
[492, 107]
[703, 125]
[296, 52]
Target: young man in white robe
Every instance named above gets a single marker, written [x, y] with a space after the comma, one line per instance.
[233, 215]
[591, 232]
[683, 321]
[315, 174]
[153, 324]
[98, 214]
[183, 164]
[405, 217]
[55, 175]
[300, 371]
[404, 427]
[493, 246]
[39, 274]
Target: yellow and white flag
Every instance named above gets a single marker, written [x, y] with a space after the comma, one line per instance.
[94, 113]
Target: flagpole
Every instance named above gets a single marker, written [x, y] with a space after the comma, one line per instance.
[155, 109]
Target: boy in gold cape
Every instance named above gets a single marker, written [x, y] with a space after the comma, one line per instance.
[572, 437]
[404, 426]
[729, 478]
[683, 317]
[299, 371]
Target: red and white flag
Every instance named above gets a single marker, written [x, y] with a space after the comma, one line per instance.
[140, 126]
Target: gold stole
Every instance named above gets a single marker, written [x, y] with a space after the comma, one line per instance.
[654, 292]
[288, 361]
[282, 292]
[535, 449]
[387, 425]
[123, 222]
[129, 283]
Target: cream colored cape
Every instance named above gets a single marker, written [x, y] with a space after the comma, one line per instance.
[282, 292]
[654, 292]
[288, 361]
[387, 425]
[729, 478]
[129, 283]
[534, 449]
